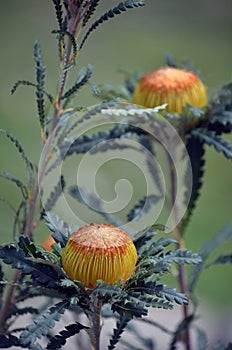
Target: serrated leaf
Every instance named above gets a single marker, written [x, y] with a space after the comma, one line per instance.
[82, 79]
[41, 274]
[121, 7]
[59, 12]
[8, 341]
[40, 75]
[19, 148]
[43, 324]
[57, 341]
[61, 230]
[171, 295]
[18, 183]
[212, 139]
[55, 194]
[91, 9]
[195, 149]
[117, 332]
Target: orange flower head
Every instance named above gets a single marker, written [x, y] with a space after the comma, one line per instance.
[99, 252]
[48, 242]
[176, 87]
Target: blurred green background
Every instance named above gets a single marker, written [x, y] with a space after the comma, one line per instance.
[199, 31]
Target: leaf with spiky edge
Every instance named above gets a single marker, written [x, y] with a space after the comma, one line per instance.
[224, 235]
[20, 223]
[129, 309]
[90, 11]
[28, 83]
[19, 148]
[222, 259]
[221, 123]
[212, 139]
[180, 256]
[55, 194]
[18, 183]
[219, 115]
[96, 203]
[42, 274]
[120, 8]
[40, 75]
[25, 310]
[142, 207]
[195, 149]
[7, 341]
[171, 295]
[82, 79]
[43, 324]
[73, 41]
[61, 230]
[117, 332]
[59, 12]
[57, 341]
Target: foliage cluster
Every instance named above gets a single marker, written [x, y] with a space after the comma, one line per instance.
[39, 272]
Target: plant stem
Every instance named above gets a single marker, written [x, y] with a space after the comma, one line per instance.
[8, 301]
[177, 236]
[95, 322]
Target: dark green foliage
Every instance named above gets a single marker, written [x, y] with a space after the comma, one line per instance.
[121, 7]
[59, 340]
[55, 194]
[222, 259]
[19, 148]
[195, 149]
[43, 324]
[40, 76]
[18, 183]
[28, 83]
[59, 13]
[90, 11]
[72, 39]
[82, 79]
[8, 341]
[61, 231]
[220, 112]
[117, 332]
[20, 256]
[212, 139]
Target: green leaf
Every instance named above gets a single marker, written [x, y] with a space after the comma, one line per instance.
[43, 324]
[121, 7]
[8, 341]
[18, 183]
[55, 194]
[117, 332]
[82, 79]
[91, 9]
[19, 148]
[40, 75]
[195, 149]
[59, 12]
[212, 139]
[57, 341]
[222, 259]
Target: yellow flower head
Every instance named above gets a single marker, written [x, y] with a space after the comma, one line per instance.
[99, 252]
[176, 87]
